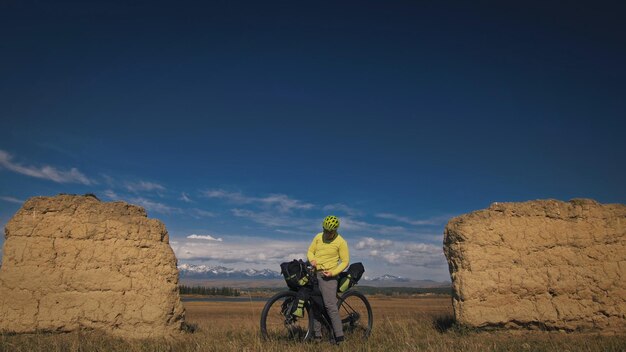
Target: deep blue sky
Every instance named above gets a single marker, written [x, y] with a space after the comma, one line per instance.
[250, 121]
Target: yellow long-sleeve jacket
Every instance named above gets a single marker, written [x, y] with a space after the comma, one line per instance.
[333, 256]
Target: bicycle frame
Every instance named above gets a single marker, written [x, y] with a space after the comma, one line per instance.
[354, 309]
[352, 318]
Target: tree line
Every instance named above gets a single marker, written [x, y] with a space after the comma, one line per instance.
[392, 291]
[208, 291]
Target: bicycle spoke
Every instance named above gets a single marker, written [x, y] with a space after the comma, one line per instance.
[278, 324]
[356, 314]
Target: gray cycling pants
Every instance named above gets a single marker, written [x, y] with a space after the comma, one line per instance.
[329, 295]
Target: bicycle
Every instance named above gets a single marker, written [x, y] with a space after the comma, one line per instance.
[277, 322]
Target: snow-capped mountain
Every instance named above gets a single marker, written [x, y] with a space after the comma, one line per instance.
[387, 278]
[221, 272]
[265, 277]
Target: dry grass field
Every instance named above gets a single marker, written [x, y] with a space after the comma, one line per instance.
[400, 324]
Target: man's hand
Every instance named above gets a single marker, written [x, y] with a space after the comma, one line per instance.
[327, 273]
[314, 263]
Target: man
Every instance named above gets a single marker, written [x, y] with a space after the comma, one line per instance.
[329, 254]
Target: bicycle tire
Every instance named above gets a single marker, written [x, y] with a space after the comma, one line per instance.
[356, 314]
[277, 323]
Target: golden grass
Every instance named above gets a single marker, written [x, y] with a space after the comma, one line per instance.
[400, 324]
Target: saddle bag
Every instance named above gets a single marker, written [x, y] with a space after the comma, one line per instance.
[350, 277]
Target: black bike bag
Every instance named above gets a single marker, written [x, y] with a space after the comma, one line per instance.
[350, 277]
[295, 273]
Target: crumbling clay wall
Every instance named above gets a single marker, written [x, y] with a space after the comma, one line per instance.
[73, 262]
[540, 264]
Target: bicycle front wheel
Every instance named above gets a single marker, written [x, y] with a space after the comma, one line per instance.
[277, 323]
[356, 314]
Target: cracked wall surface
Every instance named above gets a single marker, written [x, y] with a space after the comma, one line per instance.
[540, 264]
[74, 262]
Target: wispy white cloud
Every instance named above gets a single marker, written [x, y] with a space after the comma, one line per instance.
[260, 217]
[303, 225]
[273, 219]
[405, 253]
[44, 172]
[285, 203]
[354, 225]
[280, 202]
[155, 206]
[343, 208]
[158, 207]
[239, 249]
[237, 197]
[432, 221]
[110, 194]
[108, 180]
[12, 200]
[204, 237]
[292, 232]
[185, 197]
[371, 243]
[59, 149]
[199, 213]
[143, 186]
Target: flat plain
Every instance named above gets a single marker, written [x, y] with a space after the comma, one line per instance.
[420, 323]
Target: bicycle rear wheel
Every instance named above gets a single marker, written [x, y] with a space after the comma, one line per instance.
[277, 323]
[356, 314]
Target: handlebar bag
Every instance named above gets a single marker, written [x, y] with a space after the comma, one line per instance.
[295, 273]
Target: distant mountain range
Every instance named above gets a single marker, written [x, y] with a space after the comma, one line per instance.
[190, 273]
[387, 278]
[221, 272]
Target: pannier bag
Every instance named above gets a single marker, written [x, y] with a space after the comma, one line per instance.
[350, 277]
[294, 306]
[299, 302]
[295, 273]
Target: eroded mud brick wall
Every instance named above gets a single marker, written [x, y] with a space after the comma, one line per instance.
[74, 262]
[540, 264]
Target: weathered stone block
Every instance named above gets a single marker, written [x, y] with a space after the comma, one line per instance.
[73, 262]
[546, 263]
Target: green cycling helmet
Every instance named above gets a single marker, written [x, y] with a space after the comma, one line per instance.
[331, 223]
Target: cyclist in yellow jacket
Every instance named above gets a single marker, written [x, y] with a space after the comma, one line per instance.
[329, 254]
